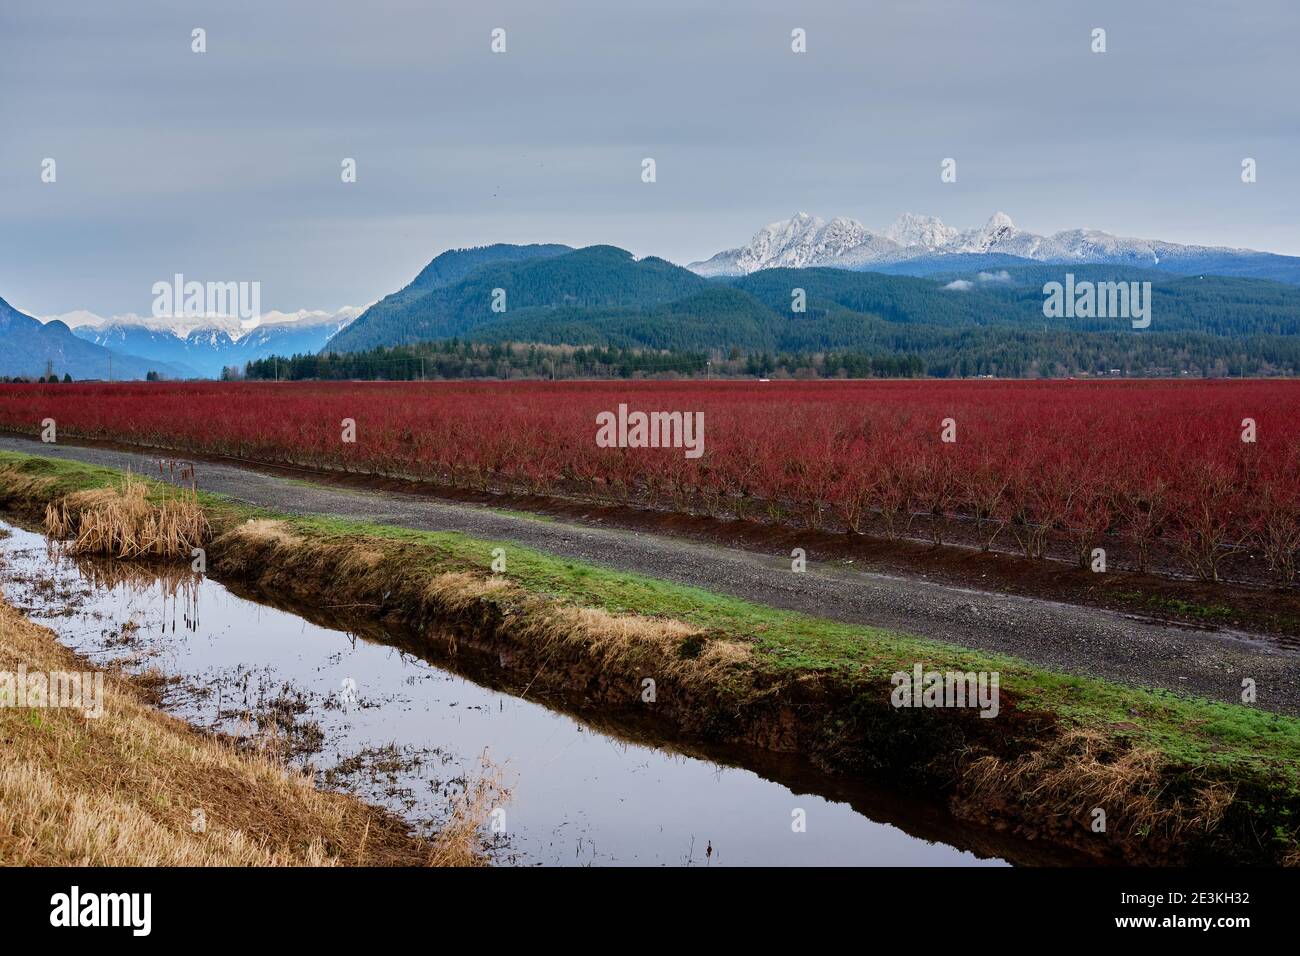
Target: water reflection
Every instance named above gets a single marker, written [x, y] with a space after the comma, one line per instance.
[400, 731]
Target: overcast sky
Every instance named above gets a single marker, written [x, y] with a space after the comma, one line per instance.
[225, 166]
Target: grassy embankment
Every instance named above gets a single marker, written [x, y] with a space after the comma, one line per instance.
[135, 787]
[1180, 780]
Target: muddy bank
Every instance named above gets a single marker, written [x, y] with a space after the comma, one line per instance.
[1032, 771]
[646, 726]
[990, 771]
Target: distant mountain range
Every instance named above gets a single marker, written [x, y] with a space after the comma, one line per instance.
[917, 286]
[202, 347]
[923, 244]
[983, 317]
[28, 347]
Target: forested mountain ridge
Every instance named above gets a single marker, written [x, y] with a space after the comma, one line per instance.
[597, 277]
[979, 321]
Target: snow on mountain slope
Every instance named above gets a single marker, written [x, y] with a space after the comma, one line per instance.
[207, 344]
[807, 240]
[928, 231]
[30, 348]
[185, 326]
[802, 241]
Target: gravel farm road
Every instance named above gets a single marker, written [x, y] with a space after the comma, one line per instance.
[1080, 640]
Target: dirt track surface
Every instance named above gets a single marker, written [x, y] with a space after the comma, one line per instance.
[1066, 637]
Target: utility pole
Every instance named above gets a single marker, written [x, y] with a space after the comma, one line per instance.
[277, 368]
[110, 366]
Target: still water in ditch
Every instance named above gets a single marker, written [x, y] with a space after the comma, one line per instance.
[406, 734]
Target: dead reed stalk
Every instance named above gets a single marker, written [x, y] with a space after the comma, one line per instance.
[130, 520]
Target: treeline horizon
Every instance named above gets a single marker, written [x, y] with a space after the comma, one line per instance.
[457, 359]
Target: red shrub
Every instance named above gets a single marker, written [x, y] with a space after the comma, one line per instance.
[1149, 461]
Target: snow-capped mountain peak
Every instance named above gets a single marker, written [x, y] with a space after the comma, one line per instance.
[799, 241]
[999, 230]
[1000, 222]
[843, 243]
[802, 240]
[204, 345]
[210, 327]
[999, 226]
[910, 229]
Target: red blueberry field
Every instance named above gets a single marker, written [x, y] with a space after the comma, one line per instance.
[1190, 475]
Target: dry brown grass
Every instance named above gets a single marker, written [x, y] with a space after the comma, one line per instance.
[614, 643]
[627, 643]
[121, 789]
[21, 487]
[459, 590]
[1086, 769]
[125, 522]
[650, 646]
[459, 841]
[265, 531]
